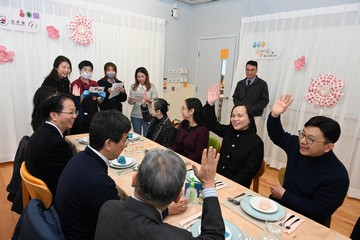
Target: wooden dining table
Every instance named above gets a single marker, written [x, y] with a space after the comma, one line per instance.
[309, 229]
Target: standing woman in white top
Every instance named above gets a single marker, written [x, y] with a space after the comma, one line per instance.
[141, 86]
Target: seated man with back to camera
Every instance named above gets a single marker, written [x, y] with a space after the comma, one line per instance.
[158, 182]
[316, 182]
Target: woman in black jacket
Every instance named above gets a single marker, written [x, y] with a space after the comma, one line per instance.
[242, 150]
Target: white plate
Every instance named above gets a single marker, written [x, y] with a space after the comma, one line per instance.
[129, 162]
[228, 234]
[134, 137]
[255, 203]
[190, 174]
[84, 141]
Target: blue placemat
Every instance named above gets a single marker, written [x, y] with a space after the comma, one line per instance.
[276, 216]
[235, 231]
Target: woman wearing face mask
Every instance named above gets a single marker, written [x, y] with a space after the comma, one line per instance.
[141, 87]
[242, 150]
[89, 101]
[107, 81]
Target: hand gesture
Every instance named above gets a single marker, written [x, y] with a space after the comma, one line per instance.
[281, 105]
[213, 94]
[76, 90]
[178, 207]
[144, 98]
[131, 100]
[207, 172]
[277, 191]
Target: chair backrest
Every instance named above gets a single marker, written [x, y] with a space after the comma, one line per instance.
[281, 175]
[256, 179]
[175, 123]
[35, 188]
[215, 143]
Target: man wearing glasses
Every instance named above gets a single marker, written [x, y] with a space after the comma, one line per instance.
[316, 182]
[47, 151]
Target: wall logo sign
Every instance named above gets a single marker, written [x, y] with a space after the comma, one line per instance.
[261, 50]
[19, 20]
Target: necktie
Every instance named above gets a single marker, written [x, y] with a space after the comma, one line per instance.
[248, 83]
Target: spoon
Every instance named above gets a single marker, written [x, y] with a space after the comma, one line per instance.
[283, 223]
[289, 226]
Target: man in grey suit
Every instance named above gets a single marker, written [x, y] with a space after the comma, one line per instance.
[158, 182]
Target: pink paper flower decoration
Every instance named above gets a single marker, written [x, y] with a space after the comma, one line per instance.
[52, 32]
[81, 30]
[299, 63]
[325, 91]
[5, 55]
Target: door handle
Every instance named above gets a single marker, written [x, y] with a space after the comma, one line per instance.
[227, 98]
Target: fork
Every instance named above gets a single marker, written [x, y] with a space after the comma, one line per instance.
[283, 223]
[190, 222]
[289, 226]
[234, 201]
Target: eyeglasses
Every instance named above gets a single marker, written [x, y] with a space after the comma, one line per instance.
[308, 139]
[71, 113]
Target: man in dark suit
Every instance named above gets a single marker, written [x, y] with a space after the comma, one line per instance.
[158, 182]
[253, 91]
[85, 185]
[47, 152]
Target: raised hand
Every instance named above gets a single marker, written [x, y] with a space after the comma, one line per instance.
[213, 94]
[207, 172]
[281, 105]
[76, 90]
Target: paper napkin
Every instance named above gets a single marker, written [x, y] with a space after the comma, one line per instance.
[186, 221]
[294, 226]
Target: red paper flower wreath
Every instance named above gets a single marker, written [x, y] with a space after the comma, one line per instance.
[81, 28]
[5, 55]
[325, 91]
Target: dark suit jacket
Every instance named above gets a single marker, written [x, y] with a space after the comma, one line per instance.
[83, 188]
[14, 187]
[47, 155]
[133, 220]
[256, 95]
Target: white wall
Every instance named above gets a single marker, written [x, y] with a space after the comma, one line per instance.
[219, 18]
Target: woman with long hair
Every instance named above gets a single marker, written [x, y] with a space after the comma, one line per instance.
[142, 88]
[192, 136]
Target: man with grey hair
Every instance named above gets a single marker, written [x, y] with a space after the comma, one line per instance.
[158, 182]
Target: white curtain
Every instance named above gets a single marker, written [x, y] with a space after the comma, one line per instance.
[128, 39]
[329, 40]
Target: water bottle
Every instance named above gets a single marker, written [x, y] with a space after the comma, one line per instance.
[191, 192]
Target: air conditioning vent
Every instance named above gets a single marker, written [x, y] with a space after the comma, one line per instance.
[196, 2]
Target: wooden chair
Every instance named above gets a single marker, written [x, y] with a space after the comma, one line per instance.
[281, 175]
[215, 143]
[256, 179]
[34, 187]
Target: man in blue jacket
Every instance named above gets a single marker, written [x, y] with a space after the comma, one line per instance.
[316, 182]
[84, 184]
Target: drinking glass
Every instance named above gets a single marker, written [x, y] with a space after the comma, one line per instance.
[129, 149]
[272, 231]
[139, 147]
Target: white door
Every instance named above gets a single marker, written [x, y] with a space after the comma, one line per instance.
[211, 69]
